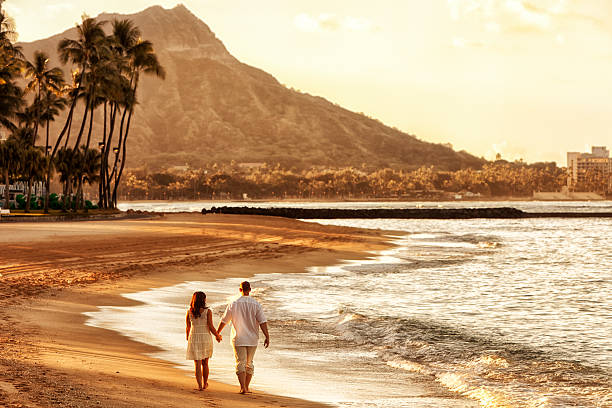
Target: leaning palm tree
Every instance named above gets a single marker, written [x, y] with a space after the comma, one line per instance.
[84, 52]
[54, 104]
[80, 52]
[42, 80]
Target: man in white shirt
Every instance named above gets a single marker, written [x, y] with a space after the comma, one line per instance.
[247, 316]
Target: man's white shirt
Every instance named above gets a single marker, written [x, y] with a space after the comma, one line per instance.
[246, 314]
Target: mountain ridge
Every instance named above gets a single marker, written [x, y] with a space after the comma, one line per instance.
[214, 108]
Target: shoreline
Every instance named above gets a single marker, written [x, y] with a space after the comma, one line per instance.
[396, 213]
[79, 365]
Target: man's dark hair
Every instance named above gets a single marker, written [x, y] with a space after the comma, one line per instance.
[245, 286]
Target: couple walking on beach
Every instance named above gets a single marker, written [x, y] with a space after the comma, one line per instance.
[246, 316]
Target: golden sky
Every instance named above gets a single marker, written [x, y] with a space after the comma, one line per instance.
[529, 79]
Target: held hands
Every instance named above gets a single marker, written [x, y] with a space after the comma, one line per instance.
[219, 337]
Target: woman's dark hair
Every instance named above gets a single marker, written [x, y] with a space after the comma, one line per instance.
[198, 302]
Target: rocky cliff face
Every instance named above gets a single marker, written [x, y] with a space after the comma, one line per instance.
[213, 108]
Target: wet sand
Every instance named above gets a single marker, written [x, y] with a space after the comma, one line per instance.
[51, 273]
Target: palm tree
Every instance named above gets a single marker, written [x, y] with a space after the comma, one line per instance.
[141, 58]
[87, 170]
[42, 80]
[84, 52]
[8, 35]
[33, 165]
[11, 96]
[72, 92]
[64, 164]
[30, 160]
[9, 160]
[114, 94]
[53, 105]
[81, 52]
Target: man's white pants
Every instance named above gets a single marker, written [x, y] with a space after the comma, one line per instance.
[244, 359]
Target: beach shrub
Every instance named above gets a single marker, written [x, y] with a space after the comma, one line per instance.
[54, 202]
[90, 206]
[20, 199]
[35, 203]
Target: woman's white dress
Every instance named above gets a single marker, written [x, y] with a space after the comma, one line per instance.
[199, 343]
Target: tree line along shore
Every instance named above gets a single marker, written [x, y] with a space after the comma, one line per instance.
[499, 179]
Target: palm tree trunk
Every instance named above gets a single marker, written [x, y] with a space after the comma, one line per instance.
[101, 182]
[112, 198]
[47, 139]
[105, 178]
[83, 123]
[68, 134]
[67, 127]
[28, 195]
[70, 195]
[6, 189]
[91, 114]
[47, 185]
[79, 194]
[65, 196]
[123, 156]
[37, 116]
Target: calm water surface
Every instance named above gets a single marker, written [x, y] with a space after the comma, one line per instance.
[531, 206]
[461, 313]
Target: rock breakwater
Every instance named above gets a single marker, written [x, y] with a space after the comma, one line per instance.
[327, 213]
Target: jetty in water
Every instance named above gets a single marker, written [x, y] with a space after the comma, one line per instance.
[405, 213]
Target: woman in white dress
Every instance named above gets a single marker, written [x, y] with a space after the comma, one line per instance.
[199, 340]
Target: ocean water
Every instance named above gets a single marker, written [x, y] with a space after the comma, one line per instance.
[460, 313]
[530, 206]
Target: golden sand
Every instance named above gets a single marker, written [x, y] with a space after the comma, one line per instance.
[54, 272]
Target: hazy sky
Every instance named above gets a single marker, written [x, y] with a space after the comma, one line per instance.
[528, 79]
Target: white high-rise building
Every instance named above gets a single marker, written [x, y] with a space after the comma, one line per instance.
[580, 166]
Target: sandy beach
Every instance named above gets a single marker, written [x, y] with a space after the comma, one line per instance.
[51, 273]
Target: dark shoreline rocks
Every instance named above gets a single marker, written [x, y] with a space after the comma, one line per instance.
[406, 213]
[327, 213]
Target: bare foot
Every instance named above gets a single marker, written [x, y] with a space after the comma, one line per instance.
[205, 386]
[242, 391]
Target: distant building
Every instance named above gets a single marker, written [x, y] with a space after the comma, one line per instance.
[580, 164]
[178, 169]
